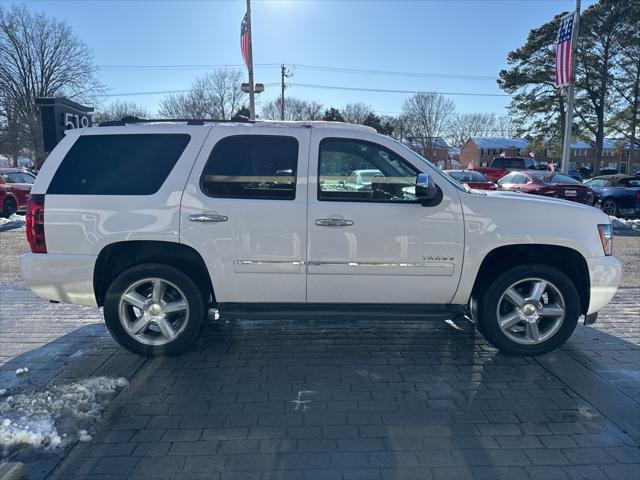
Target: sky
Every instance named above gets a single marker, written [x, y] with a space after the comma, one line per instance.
[449, 46]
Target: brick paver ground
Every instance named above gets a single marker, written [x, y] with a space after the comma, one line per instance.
[315, 397]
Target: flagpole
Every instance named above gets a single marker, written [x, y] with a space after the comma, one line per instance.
[252, 105]
[566, 143]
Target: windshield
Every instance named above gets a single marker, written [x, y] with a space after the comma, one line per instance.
[435, 169]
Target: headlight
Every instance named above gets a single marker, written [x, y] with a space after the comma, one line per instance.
[606, 237]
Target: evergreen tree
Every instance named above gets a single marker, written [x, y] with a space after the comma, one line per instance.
[333, 115]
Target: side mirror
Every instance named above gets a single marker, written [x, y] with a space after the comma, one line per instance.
[426, 190]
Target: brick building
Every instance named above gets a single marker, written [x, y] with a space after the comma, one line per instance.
[480, 151]
[615, 155]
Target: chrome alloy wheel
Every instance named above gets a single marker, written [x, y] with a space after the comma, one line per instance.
[531, 311]
[153, 311]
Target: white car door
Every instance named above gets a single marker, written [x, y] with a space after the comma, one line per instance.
[375, 243]
[244, 211]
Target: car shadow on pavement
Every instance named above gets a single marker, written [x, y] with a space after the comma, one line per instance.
[352, 397]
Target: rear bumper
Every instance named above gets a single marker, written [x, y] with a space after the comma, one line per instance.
[60, 277]
[604, 274]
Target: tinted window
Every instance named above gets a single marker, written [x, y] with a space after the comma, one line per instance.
[252, 166]
[393, 181]
[118, 164]
[498, 163]
[559, 179]
[12, 177]
[28, 178]
[632, 182]
[520, 179]
[507, 179]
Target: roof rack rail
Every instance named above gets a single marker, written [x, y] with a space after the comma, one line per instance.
[188, 121]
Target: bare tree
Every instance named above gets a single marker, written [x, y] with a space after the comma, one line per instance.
[41, 57]
[427, 116]
[356, 112]
[506, 127]
[216, 95]
[118, 110]
[466, 125]
[295, 109]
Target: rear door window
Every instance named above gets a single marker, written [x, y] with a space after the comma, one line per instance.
[135, 164]
[252, 166]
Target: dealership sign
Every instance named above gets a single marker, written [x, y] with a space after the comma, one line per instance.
[58, 115]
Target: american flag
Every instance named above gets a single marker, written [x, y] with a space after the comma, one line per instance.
[244, 39]
[563, 50]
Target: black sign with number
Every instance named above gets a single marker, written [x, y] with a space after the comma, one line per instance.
[59, 114]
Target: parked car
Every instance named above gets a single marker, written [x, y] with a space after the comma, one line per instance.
[576, 174]
[15, 187]
[617, 195]
[211, 225]
[364, 177]
[548, 184]
[472, 179]
[502, 165]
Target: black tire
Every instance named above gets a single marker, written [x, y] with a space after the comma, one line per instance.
[10, 207]
[610, 207]
[487, 309]
[194, 319]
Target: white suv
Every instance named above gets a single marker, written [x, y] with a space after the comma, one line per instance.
[160, 222]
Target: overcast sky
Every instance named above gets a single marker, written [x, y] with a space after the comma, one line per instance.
[458, 45]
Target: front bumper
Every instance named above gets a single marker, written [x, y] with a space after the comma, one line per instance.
[605, 274]
[60, 277]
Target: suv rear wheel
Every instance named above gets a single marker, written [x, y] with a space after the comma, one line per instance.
[154, 309]
[529, 310]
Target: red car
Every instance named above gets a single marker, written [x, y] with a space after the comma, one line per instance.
[549, 184]
[15, 188]
[472, 178]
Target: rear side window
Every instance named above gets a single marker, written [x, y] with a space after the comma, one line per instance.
[252, 166]
[136, 164]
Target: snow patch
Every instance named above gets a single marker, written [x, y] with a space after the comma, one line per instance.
[22, 371]
[625, 223]
[34, 418]
[14, 221]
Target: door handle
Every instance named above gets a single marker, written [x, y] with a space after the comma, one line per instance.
[207, 217]
[333, 222]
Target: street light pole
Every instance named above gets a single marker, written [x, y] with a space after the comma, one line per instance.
[566, 144]
[252, 105]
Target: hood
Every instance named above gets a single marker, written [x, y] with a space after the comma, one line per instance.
[538, 200]
[520, 218]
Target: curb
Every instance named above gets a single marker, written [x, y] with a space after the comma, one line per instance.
[12, 471]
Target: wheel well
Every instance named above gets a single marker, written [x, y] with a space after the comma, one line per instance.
[117, 257]
[570, 261]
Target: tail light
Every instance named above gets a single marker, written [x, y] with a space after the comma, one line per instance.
[35, 224]
[638, 195]
[547, 190]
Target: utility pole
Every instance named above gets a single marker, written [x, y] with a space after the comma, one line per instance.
[284, 73]
[252, 104]
[566, 144]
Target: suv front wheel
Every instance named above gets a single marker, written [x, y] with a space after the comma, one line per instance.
[154, 309]
[529, 310]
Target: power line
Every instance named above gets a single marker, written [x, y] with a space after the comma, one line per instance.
[384, 90]
[326, 87]
[392, 73]
[358, 71]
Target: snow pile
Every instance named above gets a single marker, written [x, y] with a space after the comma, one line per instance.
[32, 418]
[14, 221]
[625, 223]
